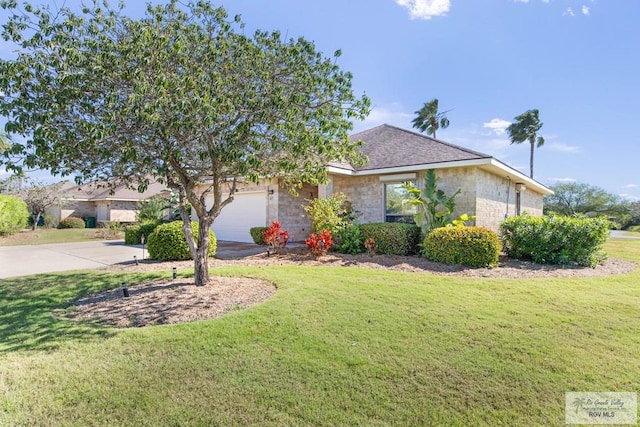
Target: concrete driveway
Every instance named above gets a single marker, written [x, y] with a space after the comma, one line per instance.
[34, 259]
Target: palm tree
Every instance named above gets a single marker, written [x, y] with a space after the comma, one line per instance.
[525, 127]
[429, 119]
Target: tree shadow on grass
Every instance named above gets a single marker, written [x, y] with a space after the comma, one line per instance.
[29, 307]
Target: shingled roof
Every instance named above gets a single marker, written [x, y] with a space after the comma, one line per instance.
[96, 192]
[388, 146]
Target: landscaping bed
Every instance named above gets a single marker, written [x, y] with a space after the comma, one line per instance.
[178, 301]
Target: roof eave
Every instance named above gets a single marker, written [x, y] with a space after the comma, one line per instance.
[487, 163]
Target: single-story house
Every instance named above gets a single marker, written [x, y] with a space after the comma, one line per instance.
[490, 189]
[102, 204]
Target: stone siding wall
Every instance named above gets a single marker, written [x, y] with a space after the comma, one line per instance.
[79, 209]
[465, 179]
[122, 211]
[366, 194]
[482, 194]
[291, 214]
[531, 202]
[497, 200]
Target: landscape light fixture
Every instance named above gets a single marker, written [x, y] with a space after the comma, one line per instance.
[125, 291]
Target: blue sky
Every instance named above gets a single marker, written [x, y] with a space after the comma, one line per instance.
[488, 61]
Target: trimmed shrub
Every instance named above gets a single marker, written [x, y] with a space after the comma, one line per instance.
[167, 242]
[393, 238]
[349, 240]
[470, 246]
[72, 222]
[13, 215]
[555, 239]
[133, 233]
[257, 234]
[319, 244]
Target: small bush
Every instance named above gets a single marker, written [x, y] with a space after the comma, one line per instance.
[328, 213]
[555, 239]
[393, 238]
[471, 246]
[13, 215]
[319, 244]
[71, 222]
[275, 237]
[48, 221]
[257, 234]
[167, 242]
[349, 240]
[133, 233]
[109, 229]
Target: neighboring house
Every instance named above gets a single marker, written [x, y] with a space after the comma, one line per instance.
[102, 204]
[490, 189]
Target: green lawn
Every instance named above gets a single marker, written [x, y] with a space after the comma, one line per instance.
[335, 346]
[44, 236]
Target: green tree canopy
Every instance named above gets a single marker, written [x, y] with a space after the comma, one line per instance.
[181, 94]
[39, 196]
[525, 128]
[579, 198]
[429, 120]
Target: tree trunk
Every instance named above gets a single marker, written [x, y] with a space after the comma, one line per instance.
[36, 219]
[531, 160]
[201, 259]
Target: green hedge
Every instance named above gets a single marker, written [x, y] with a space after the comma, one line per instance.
[13, 215]
[167, 242]
[72, 222]
[471, 246]
[133, 233]
[393, 238]
[555, 239]
[257, 234]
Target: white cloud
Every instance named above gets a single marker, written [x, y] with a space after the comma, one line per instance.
[498, 126]
[565, 180]
[630, 186]
[425, 9]
[585, 9]
[563, 148]
[392, 114]
[568, 12]
[631, 197]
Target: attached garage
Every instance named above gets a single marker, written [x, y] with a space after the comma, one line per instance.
[247, 210]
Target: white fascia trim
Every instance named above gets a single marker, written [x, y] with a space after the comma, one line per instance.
[519, 177]
[340, 171]
[413, 168]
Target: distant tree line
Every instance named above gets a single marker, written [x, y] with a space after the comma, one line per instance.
[583, 199]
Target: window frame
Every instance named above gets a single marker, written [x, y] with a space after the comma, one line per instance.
[398, 217]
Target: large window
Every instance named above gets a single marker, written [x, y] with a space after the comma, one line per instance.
[396, 208]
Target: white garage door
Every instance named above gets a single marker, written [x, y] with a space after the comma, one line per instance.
[247, 210]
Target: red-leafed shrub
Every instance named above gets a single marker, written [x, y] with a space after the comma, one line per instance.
[371, 246]
[275, 237]
[320, 243]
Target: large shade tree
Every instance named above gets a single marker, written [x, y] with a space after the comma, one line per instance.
[429, 119]
[525, 128]
[182, 94]
[571, 198]
[39, 197]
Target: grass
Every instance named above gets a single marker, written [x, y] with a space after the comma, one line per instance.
[43, 236]
[335, 346]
